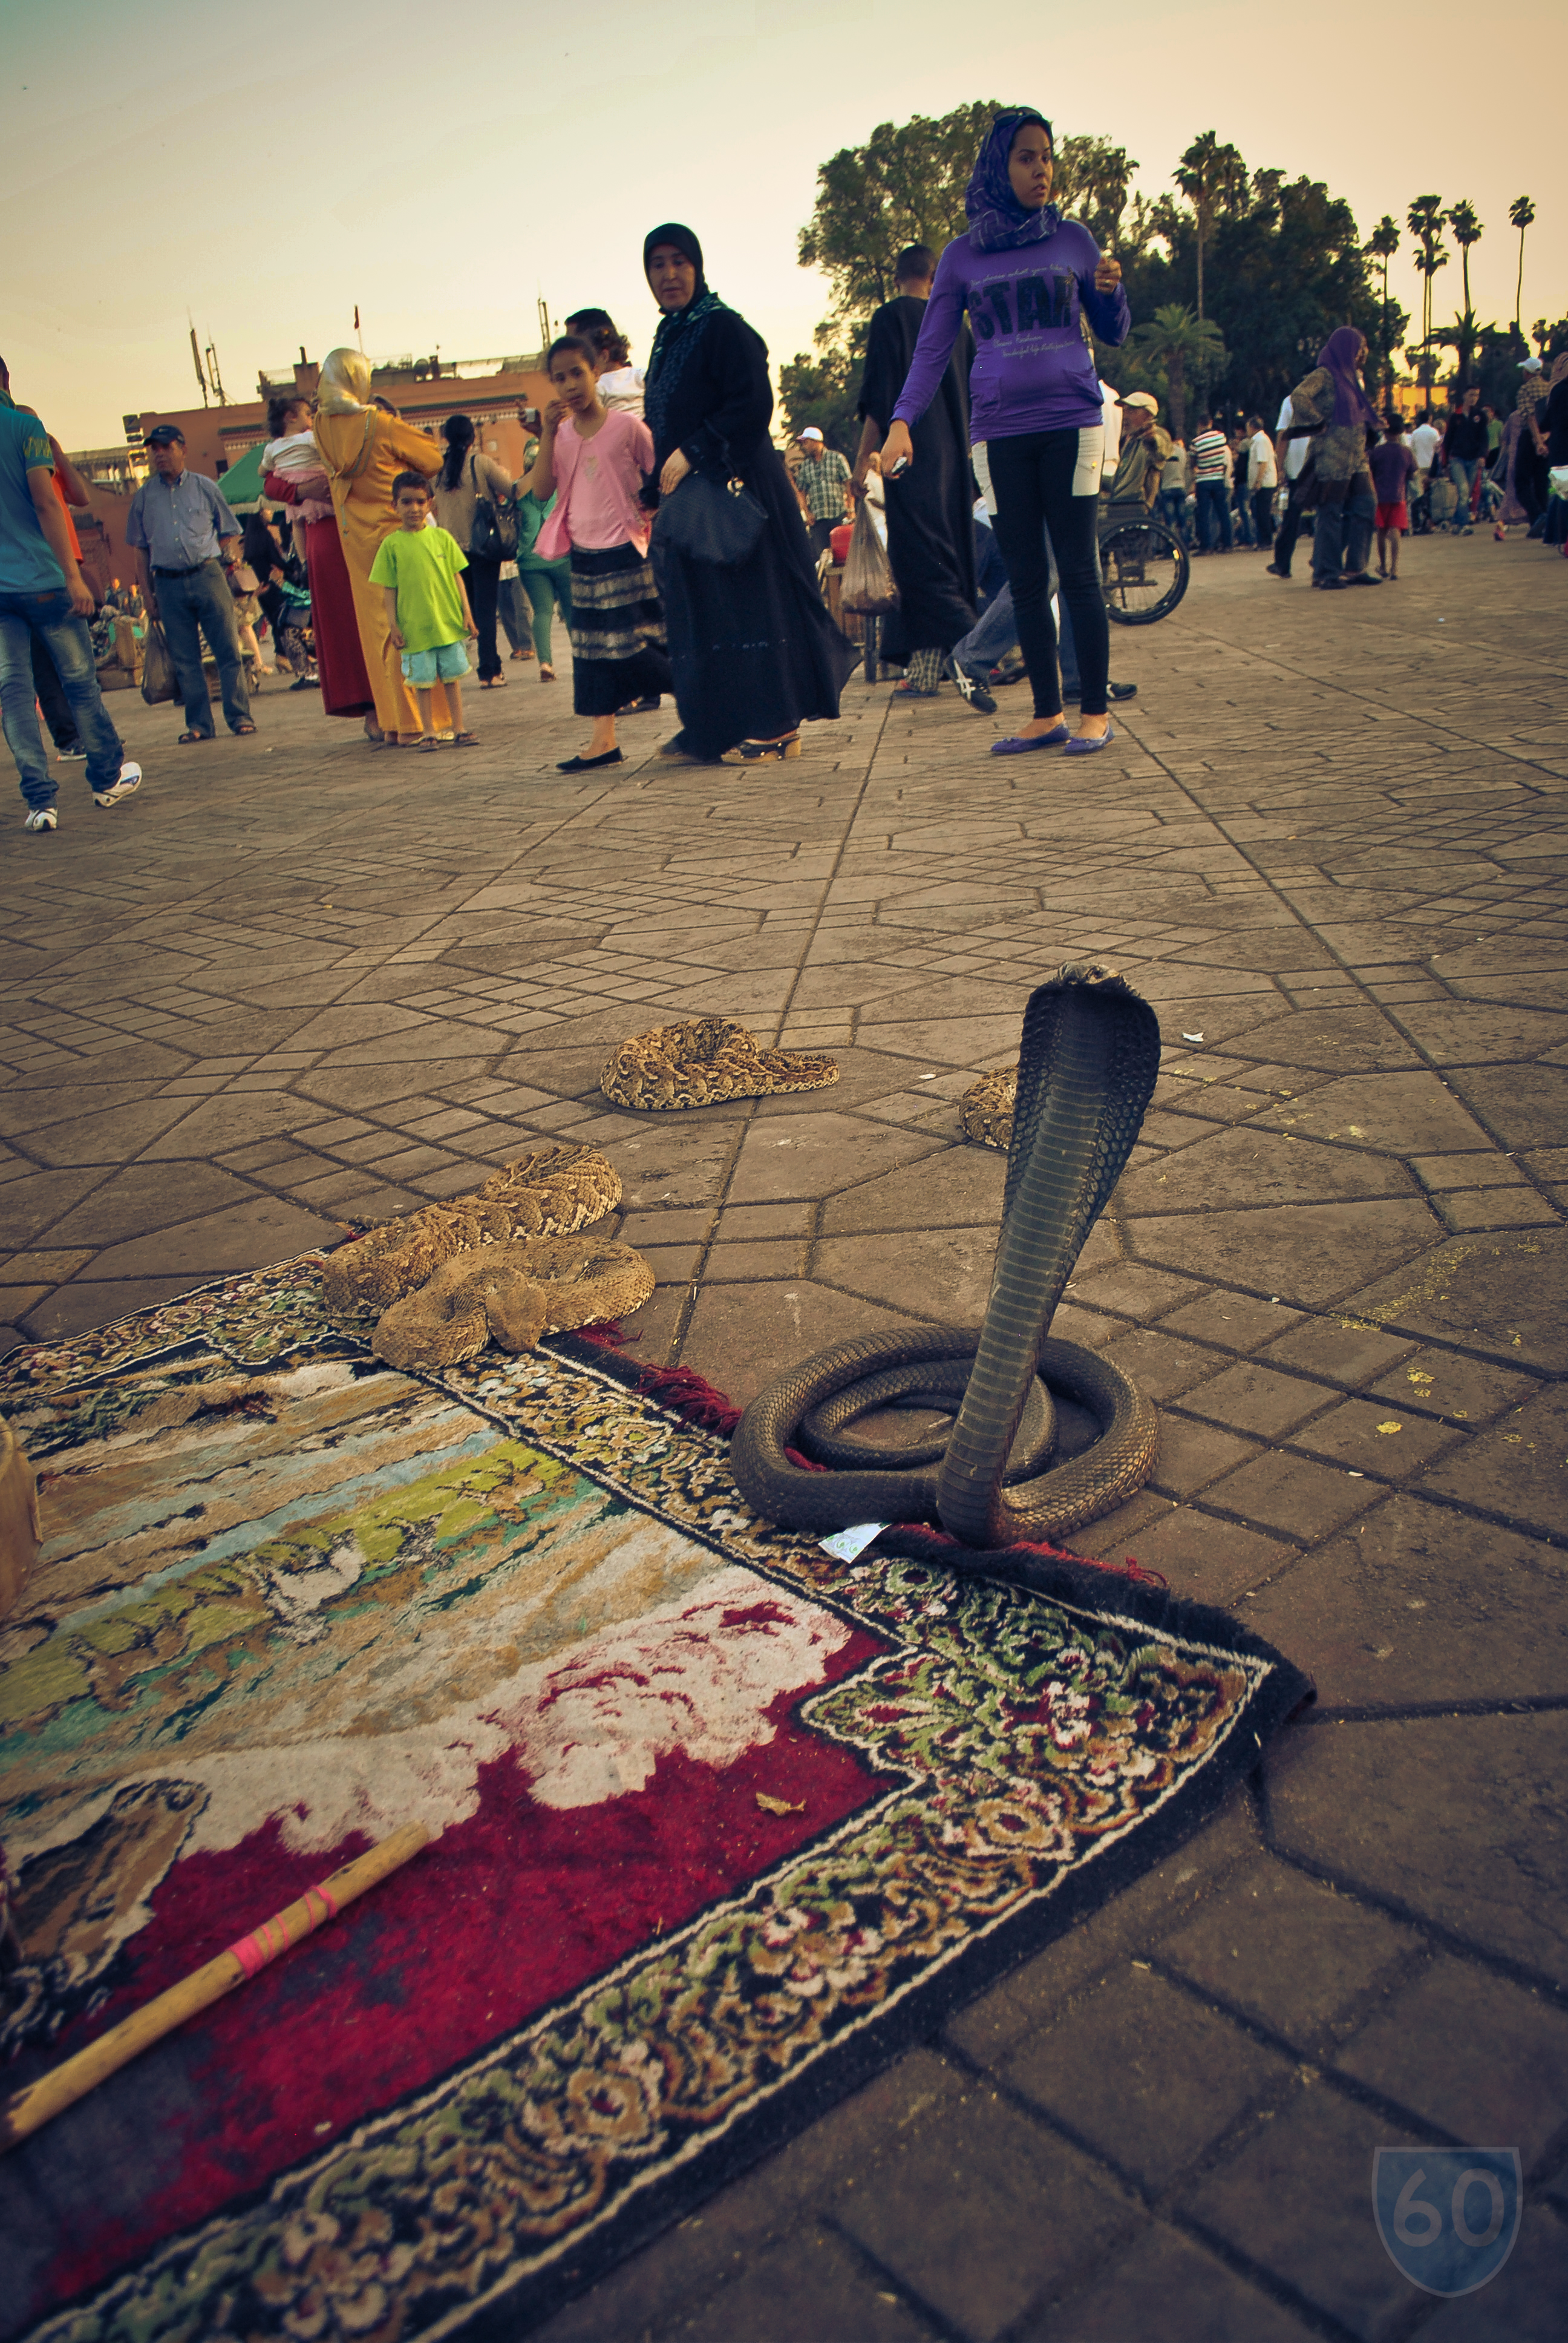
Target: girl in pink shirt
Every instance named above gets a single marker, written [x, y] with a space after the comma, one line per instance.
[594, 460]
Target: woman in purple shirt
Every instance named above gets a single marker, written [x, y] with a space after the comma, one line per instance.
[1026, 276]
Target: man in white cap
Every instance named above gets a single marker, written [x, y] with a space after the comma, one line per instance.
[823, 479]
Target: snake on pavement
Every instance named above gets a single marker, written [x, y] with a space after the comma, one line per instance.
[1089, 1060]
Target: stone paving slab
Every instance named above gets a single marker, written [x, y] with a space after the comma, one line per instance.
[294, 983]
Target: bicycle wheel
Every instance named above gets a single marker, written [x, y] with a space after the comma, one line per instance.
[1144, 571]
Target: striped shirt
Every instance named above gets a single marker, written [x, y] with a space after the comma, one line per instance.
[1210, 456]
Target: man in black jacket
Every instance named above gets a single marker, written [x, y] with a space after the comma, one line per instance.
[1464, 453]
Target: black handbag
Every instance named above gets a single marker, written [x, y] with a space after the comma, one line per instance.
[710, 520]
[494, 536]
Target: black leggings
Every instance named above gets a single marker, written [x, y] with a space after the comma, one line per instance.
[484, 583]
[1032, 478]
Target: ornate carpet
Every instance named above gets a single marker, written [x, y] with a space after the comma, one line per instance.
[722, 1821]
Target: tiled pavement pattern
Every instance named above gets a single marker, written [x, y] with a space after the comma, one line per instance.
[295, 981]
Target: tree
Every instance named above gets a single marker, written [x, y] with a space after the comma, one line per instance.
[1178, 352]
[1283, 271]
[1467, 231]
[1424, 220]
[1381, 245]
[1213, 178]
[1521, 212]
[905, 185]
[825, 389]
[1093, 178]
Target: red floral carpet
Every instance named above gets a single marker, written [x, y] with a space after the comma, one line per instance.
[289, 1601]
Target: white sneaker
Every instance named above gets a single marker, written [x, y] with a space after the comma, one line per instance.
[129, 781]
[42, 818]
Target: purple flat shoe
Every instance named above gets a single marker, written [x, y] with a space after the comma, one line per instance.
[1016, 746]
[1085, 745]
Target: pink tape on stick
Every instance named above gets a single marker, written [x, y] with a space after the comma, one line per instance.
[263, 1945]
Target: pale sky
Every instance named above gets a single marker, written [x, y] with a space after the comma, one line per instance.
[266, 171]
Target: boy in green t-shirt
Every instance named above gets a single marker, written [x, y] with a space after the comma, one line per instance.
[426, 603]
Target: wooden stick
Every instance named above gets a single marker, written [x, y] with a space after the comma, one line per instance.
[26, 2111]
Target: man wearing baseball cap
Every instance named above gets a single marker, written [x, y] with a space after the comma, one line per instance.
[43, 594]
[823, 480]
[185, 540]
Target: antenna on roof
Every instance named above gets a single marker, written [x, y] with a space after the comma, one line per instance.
[196, 355]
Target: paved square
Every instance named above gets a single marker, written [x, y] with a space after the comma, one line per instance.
[295, 981]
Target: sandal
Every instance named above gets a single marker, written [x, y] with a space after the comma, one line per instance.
[428, 746]
[185, 736]
[492, 683]
[547, 672]
[762, 752]
[465, 740]
[241, 730]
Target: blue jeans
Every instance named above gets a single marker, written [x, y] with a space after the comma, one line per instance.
[1213, 504]
[1173, 511]
[69, 645]
[1463, 474]
[989, 642]
[202, 600]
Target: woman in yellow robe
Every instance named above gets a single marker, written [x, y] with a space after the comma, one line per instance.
[363, 450]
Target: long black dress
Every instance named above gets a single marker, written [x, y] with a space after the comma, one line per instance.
[752, 647]
[931, 510]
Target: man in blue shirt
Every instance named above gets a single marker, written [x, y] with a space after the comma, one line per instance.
[42, 591]
[185, 540]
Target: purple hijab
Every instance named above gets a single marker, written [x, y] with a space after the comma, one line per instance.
[1339, 354]
[998, 221]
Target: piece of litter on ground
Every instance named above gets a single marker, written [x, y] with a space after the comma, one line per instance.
[924, 1078]
[1357, 1477]
[1391, 1427]
[1191, 1037]
[778, 1805]
[845, 1544]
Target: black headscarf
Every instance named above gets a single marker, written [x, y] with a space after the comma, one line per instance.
[679, 330]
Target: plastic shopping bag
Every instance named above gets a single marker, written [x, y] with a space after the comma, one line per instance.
[869, 588]
[158, 681]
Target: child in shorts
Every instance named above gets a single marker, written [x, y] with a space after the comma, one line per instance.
[428, 612]
[1390, 464]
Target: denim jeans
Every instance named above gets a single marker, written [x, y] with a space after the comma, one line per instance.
[1463, 474]
[70, 646]
[1213, 507]
[989, 642]
[1263, 516]
[202, 600]
[1173, 509]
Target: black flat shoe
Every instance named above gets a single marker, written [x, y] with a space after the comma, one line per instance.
[589, 764]
[1123, 691]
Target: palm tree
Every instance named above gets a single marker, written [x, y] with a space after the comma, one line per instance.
[1209, 175]
[1188, 350]
[1382, 244]
[1424, 220]
[1521, 212]
[1466, 229]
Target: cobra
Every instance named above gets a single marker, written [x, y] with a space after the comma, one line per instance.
[1087, 1062]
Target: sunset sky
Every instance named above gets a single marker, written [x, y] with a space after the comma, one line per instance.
[266, 171]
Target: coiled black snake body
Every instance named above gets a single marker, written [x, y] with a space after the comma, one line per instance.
[1087, 1062]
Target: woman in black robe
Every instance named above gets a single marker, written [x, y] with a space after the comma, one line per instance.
[754, 652]
[931, 509]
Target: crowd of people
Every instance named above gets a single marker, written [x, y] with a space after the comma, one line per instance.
[1238, 484]
[658, 521]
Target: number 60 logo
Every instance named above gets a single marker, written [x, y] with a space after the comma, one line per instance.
[1448, 2217]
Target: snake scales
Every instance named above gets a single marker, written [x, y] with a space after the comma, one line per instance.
[1087, 1063]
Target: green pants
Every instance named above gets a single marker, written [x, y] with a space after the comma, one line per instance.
[544, 586]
